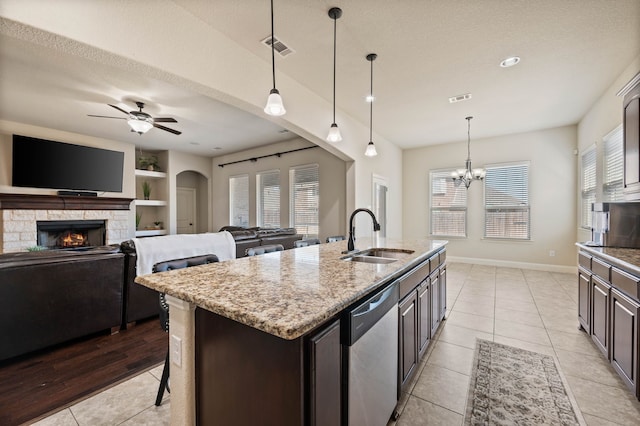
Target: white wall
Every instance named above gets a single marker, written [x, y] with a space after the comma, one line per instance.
[603, 116]
[332, 173]
[552, 186]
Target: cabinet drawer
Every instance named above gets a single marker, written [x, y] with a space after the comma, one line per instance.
[626, 283]
[413, 278]
[584, 260]
[434, 263]
[600, 268]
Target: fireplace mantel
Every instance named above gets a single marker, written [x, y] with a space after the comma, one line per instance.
[59, 202]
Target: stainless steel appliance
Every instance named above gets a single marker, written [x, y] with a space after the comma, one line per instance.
[615, 224]
[371, 352]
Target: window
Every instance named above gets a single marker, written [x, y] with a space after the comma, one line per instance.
[613, 166]
[239, 200]
[268, 198]
[448, 206]
[588, 186]
[506, 202]
[305, 200]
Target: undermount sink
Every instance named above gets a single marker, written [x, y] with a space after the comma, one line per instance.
[377, 255]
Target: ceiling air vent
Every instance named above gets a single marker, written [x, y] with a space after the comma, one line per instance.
[282, 49]
[460, 98]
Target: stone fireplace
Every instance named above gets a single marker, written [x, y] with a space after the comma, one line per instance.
[21, 214]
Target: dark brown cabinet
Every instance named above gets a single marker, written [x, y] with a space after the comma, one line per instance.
[442, 304]
[325, 369]
[609, 310]
[408, 338]
[624, 338]
[424, 316]
[435, 300]
[584, 299]
[631, 131]
[600, 291]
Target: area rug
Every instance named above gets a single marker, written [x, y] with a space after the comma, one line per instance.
[512, 386]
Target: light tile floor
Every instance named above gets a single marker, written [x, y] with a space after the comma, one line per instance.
[533, 310]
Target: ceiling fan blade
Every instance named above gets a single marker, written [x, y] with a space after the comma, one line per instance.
[164, 120]
[158, 126]
[118, 108]
[106, 116]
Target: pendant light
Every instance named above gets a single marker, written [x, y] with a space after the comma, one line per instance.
[274, 106]
[334, 133]
[371, 148]
[467, 175]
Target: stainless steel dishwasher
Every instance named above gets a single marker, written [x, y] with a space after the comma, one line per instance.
[371, 354]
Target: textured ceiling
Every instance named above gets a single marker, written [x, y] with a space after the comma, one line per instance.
[428, 51]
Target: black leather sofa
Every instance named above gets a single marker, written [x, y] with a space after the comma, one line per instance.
[54, 296]
[253, 237]
[140, 302]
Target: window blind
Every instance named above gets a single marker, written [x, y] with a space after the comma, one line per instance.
[448, 212]
[268, 198]
[304, 198]
[588, 186]
[613, 166]
[239, 200]
[506, 195]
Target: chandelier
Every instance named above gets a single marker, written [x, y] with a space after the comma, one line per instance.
[467, 175]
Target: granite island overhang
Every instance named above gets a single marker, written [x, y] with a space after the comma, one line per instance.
[285, 294]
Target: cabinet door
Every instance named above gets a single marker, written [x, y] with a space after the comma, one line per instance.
[600, 292]
[408, 356]
[424, 316]
[325, 376]
[631, 124]
[442, 305]
[624, 338]
[435, 300]
[584, 299]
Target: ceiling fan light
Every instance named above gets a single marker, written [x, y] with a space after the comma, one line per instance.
[274, 106]
[140, 126]
[371, 150]
[334, 134]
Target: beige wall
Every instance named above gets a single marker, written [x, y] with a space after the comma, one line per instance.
[332, 172]
[603, 116]
[552, 186]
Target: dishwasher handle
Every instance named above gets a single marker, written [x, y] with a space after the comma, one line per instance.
[364, 316]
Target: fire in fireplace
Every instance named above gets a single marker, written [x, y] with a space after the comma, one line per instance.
[70, 234]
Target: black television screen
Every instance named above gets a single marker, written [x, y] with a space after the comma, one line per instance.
[40, 163]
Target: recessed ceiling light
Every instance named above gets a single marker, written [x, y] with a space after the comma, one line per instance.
[509, 62]
[460, 98]
[194, 143]
[216, 148]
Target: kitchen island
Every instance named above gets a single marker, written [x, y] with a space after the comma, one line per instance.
[247, 336]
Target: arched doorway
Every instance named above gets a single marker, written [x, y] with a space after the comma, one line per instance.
[192, 197]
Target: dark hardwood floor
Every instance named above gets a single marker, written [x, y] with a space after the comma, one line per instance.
[34, 385]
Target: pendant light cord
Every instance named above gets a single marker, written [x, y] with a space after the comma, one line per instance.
[334, 69]
[273, 55]
[371, 106]
[469, 138]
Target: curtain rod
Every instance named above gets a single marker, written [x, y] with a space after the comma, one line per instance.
[277, 154]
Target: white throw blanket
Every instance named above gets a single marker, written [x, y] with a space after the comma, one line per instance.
[151, 250]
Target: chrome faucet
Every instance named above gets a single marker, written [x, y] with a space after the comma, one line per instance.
[376, 227]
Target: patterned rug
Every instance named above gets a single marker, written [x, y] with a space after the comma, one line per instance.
[512, 386]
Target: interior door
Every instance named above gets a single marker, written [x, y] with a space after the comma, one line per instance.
[186, 211]
[380, 188]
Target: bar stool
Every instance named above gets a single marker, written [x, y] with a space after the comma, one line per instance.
[253, 251]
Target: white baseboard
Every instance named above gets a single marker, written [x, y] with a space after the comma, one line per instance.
[510, 264]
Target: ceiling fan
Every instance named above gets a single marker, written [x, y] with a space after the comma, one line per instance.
[141, 122]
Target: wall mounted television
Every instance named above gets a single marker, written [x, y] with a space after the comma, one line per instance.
[41, 163]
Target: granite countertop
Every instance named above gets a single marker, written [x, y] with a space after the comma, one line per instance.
[626, 258]
[288, 293]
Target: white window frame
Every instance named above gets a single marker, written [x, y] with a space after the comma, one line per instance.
[261, 198]
[310, 229]
[587, 185]
[613, 166]
[506, 208]
[449, 209]
[233, 213]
